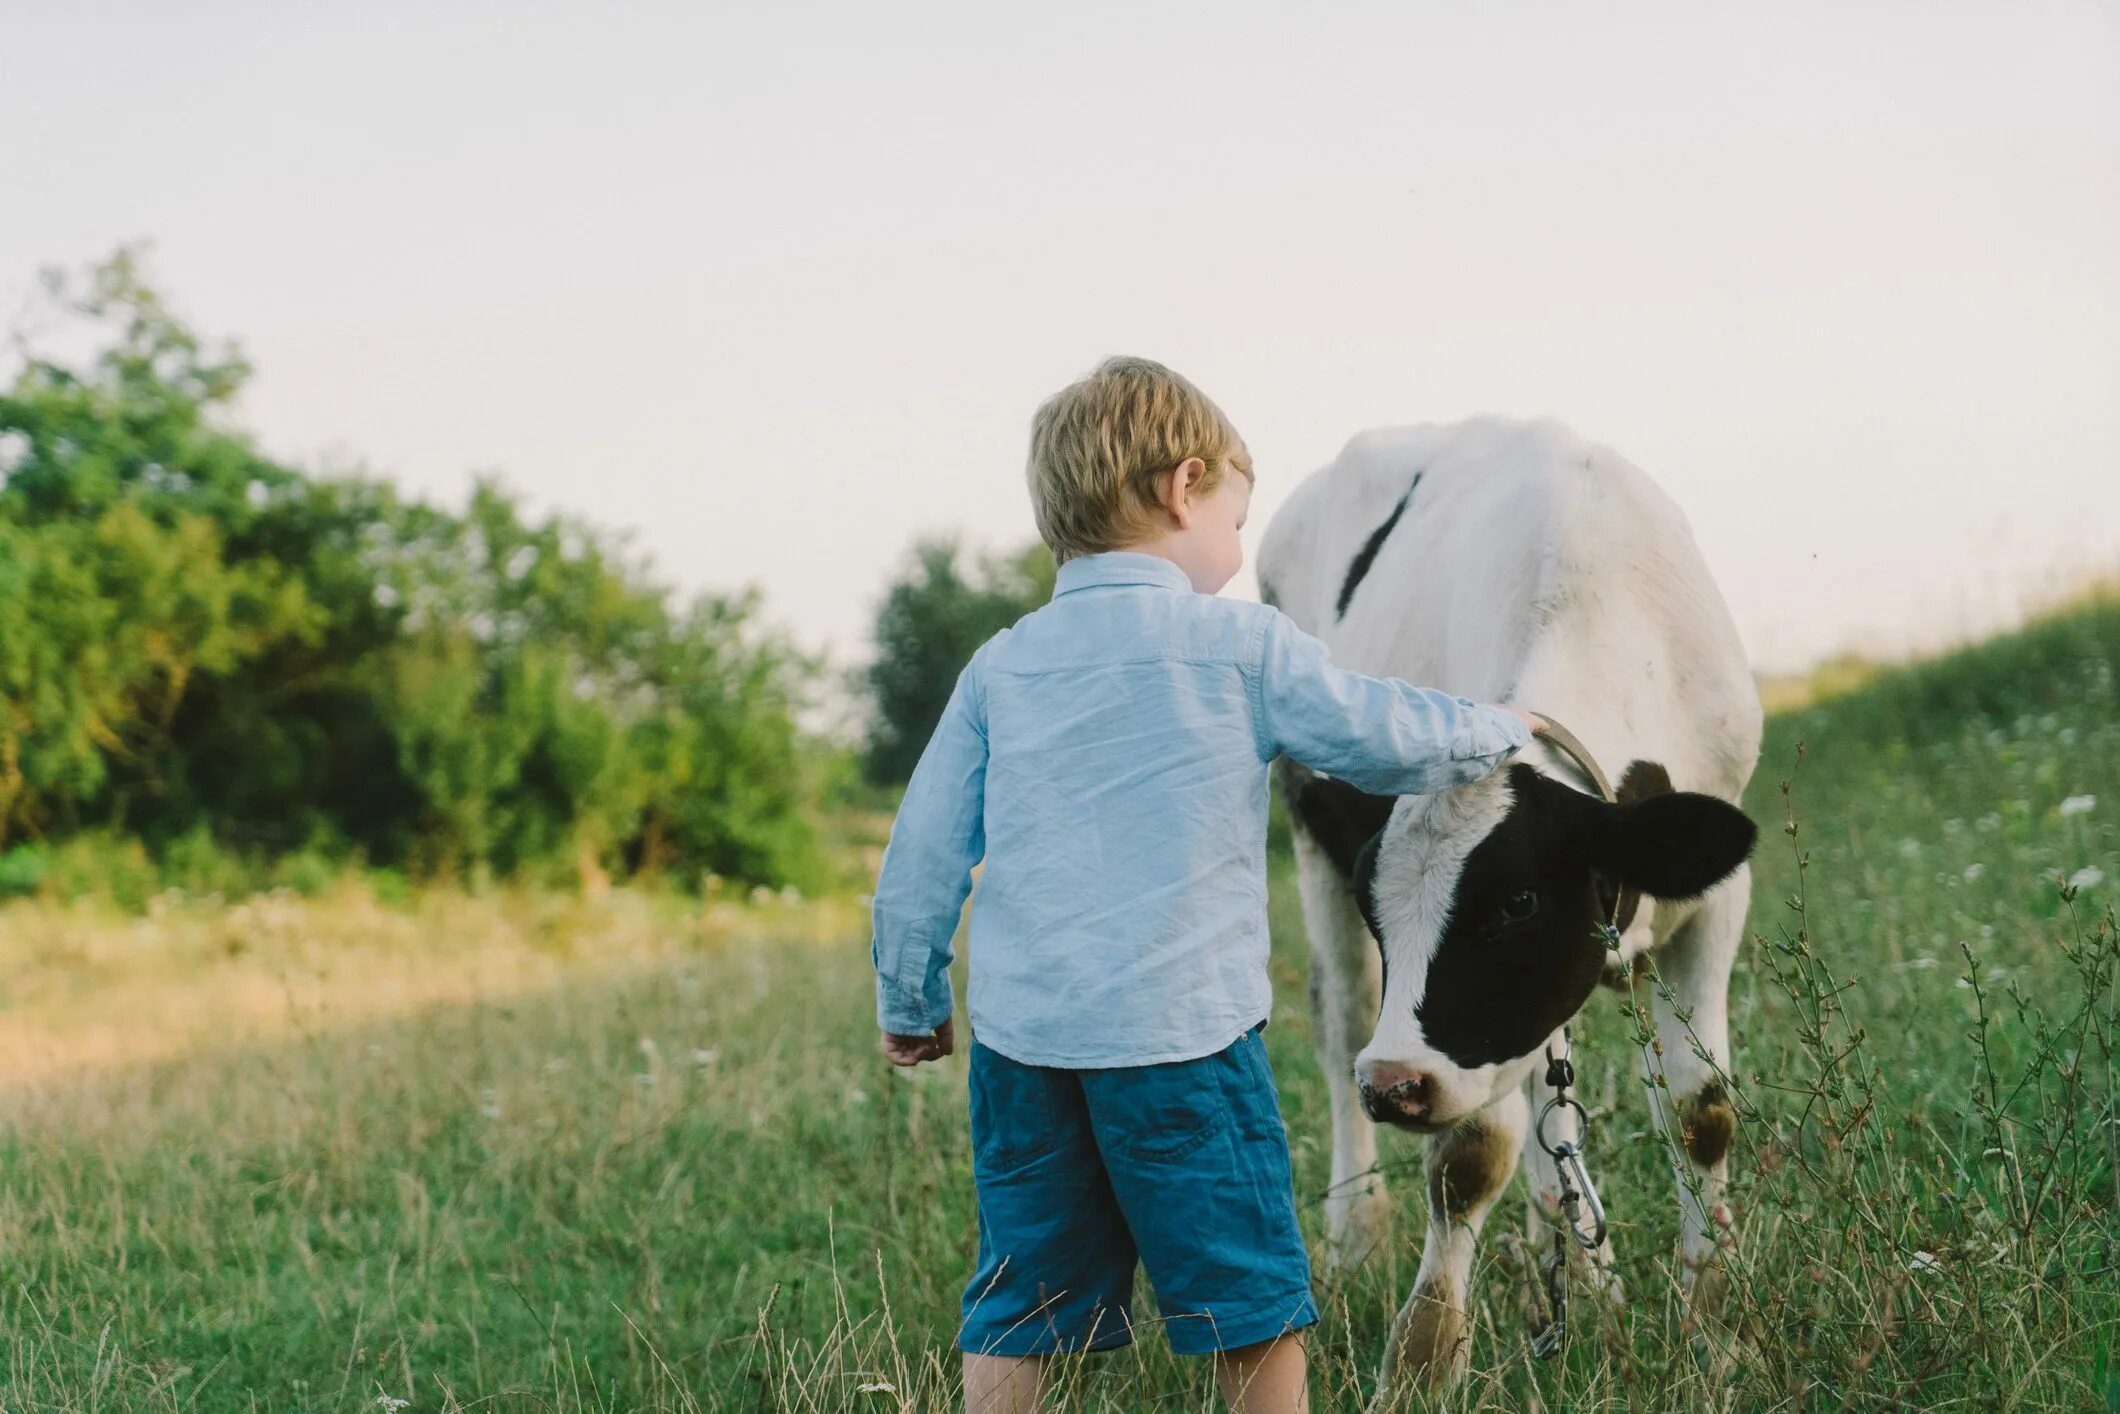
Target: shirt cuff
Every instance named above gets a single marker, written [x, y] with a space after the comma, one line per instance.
[1495, 732]
[907, 1014]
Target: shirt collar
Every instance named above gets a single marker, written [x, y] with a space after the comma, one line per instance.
[1119, 567]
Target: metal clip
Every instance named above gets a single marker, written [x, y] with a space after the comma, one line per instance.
[1577, 1191]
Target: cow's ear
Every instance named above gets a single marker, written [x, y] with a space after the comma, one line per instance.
[1669, 846]
[1365, 873]
[1339, 817]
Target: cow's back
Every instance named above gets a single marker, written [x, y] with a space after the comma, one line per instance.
[1521, 563]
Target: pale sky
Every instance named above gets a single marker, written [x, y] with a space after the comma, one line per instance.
[777, 287]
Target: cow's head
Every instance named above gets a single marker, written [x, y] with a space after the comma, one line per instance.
[1486, 901]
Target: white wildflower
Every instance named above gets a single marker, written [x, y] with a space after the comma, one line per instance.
[1910, 847]
[857, 1097]
[2090, 876]
[2078, 805]
[706, 1055]
[876, 1387]
[1924, 1262]
[760, 894]
[1974, 871]
[390, 1401]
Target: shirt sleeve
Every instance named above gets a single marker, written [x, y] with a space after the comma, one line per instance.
[940, 833]
[1380, 735]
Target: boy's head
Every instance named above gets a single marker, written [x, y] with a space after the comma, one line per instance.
[1135, 457]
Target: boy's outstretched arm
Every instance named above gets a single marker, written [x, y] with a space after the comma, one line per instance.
[1381, 735]
[939, 835]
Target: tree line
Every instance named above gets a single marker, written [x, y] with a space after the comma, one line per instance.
[208, 655]
[204, 648]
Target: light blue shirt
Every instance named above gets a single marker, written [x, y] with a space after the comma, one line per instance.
[1107, 757]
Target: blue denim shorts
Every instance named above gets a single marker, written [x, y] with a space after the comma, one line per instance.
[1081, 1174]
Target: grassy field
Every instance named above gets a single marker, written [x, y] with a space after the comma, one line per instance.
[535, 1152]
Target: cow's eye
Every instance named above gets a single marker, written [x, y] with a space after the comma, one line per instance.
[1519, 906]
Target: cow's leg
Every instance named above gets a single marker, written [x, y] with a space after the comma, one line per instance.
[1346, 984]
[1468, 1167]
[1695, 969]
[1542, 1185]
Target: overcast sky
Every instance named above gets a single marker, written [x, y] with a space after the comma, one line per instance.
[778, 286]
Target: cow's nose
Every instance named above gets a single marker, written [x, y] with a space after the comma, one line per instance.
[1393, 1091]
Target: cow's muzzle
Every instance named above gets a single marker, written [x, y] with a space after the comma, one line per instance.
[1395, 1094]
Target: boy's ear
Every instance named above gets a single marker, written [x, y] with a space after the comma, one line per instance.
[1671, 846]
[1174, 490]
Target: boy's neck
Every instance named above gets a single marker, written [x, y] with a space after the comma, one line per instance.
[1167, 547]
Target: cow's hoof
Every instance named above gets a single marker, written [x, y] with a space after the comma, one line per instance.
[1706, 1287]
[1430, 1348]
[1356, 1231]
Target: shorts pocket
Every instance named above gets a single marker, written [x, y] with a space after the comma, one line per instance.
[1163, 1112]
[1015, 1119]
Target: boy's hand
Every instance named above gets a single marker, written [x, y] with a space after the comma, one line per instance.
[1531, 719]
[912, 1050]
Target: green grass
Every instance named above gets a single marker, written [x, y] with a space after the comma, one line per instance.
[535, 1153]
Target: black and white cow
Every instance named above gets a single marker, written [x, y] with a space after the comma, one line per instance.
[1453, 935]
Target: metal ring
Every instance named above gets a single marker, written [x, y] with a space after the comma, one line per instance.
[1582, 1119]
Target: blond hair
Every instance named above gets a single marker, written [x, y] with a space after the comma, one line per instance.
[1099, 446]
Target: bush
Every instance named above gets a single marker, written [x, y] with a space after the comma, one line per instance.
[22, 871]
[232, 659]
[308, 872]
[196, 864]
[102, 865]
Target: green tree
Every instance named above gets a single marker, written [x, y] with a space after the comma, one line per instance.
[194, 638]
[933, 618]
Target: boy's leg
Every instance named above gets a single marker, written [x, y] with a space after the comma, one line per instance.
[1056, 1262]
[1003, 1384]
[1271, 1377]
[1198, 1161]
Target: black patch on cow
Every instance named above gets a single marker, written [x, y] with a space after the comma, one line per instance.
[1359, 569]
[1498, 988]
[1519, 953]
[1710, 1121]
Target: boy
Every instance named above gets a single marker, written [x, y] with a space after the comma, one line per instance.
[1107, 757]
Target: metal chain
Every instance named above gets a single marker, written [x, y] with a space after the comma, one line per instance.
[1577, 1194]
